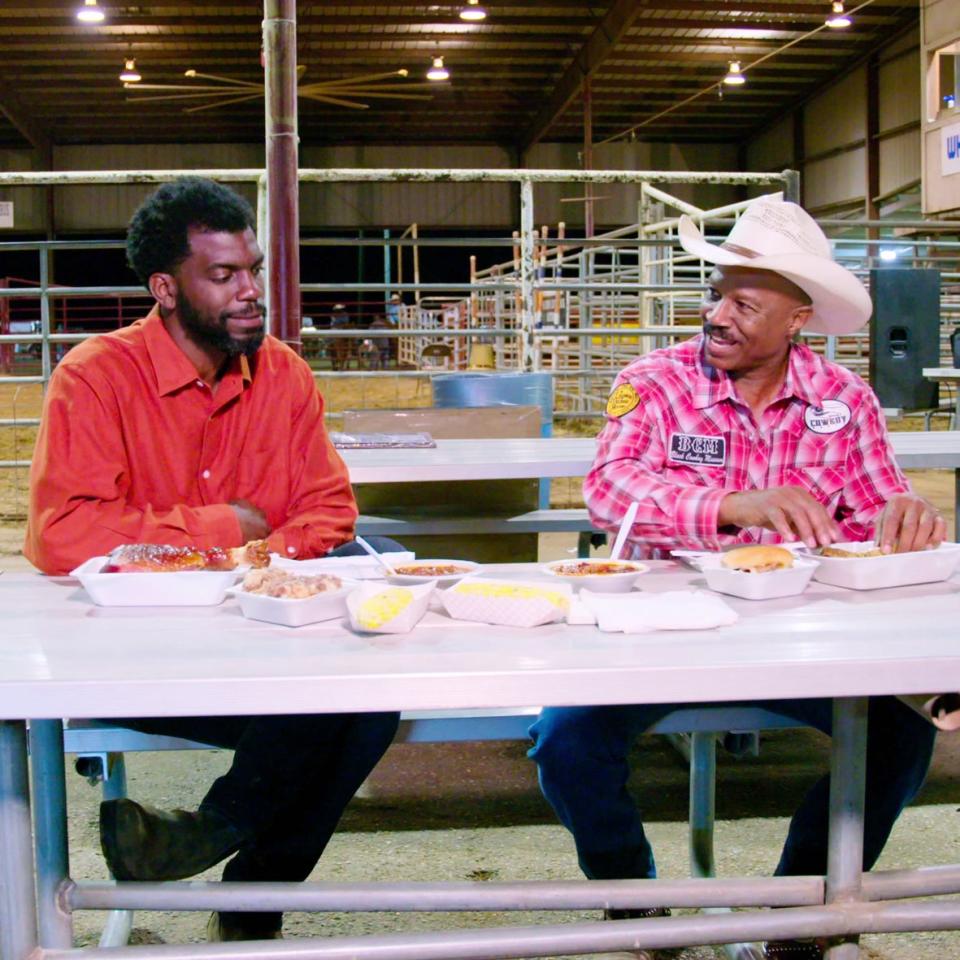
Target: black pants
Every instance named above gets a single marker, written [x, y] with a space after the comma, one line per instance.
[289, 782]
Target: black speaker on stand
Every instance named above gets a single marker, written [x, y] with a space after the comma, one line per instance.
[904, 336]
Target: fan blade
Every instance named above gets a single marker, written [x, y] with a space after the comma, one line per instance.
[382, 96]
[323, 98]
[227, 80]
[223, 103]
[361, 79]
[221, 96]
[172, 86]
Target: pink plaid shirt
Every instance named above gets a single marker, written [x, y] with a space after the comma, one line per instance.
[690, 441]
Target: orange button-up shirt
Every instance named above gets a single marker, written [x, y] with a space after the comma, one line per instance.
[135, 448]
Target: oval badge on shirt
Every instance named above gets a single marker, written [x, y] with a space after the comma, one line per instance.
[622, 400]
[834, 415]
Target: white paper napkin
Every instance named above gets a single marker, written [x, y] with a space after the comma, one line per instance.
[643, 612]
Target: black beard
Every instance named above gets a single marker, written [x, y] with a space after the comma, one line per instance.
[214, 335]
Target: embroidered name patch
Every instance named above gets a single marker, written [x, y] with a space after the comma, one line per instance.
[622, 400]
[691, 448]
[834, 415]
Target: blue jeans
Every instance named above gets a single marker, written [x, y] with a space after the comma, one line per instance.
[581, 753]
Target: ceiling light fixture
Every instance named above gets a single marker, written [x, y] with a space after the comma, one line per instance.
[734, 77]
[837, 20]
[438, 71]
[129, 73]
[90, 12]
[473, 11]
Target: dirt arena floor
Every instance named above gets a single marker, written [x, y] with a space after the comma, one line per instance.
[474, 811]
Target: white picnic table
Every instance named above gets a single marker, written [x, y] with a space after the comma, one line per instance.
[62, 656]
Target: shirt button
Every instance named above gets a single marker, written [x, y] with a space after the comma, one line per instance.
[291, 550]
[199, 383]
[205, 474]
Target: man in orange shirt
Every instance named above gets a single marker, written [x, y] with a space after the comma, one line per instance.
[193, 427]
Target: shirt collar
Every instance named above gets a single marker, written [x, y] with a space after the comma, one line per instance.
[171, 367]
[714, 386]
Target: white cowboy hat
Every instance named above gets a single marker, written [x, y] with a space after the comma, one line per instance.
[778, 235]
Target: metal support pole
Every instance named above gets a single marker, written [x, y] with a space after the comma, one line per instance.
[263, 236]
[50, 813]
[46, 361]
[18, 902]
[791, 185]
[280, 66]
[848, 766]
[703, 794]
[528, 357]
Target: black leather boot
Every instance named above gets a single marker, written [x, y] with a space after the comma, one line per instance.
[142, 843]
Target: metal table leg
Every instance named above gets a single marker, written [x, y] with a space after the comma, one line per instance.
[703, 791]
[847, 784]
[956, 504]
[50, 814]
[18, 904]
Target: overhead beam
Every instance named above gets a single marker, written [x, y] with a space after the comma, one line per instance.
[615, 23]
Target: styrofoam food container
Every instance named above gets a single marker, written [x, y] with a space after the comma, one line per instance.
[184, 588]
[758, 586]
[891, 570]
[601, 582]
[466, 567]
[290, 612]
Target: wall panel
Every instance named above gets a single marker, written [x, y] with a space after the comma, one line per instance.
[899, 90]
[107, 209]
[28, 202]
[835, 181]
[837, 116]
[899, 161]
[772, 149]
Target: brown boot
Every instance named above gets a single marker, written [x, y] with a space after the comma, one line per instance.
[141, 843]
[220, 930]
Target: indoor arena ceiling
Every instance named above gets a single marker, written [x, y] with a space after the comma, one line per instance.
[516, 77]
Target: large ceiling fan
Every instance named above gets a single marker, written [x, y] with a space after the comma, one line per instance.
[225, 90]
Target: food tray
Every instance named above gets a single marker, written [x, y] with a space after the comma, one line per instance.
[465, 568]
[621, 582]
[185, 588]
[891, 570]
[290, 612]
[757, 586]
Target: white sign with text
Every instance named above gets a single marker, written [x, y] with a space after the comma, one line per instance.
[6, 213]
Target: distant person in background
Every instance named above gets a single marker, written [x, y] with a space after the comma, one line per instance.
[393, 309]
[340, 349]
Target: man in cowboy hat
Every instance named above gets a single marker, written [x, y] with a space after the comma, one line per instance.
[744, 435]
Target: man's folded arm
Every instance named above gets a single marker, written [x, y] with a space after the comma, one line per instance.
[323, 511]
[629, 466]
[78, 506]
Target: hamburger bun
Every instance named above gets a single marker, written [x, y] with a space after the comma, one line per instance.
[850, 554]
[760, 558]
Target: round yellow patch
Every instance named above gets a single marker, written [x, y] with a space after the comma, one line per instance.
[622, 400]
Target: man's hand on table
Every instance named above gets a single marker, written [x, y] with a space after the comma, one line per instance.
[790, 511]
[909, 522]
[252, 520]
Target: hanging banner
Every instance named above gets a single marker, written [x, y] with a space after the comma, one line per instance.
[950, 149]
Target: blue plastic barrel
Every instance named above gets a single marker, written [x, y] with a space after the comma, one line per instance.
[495, 389]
